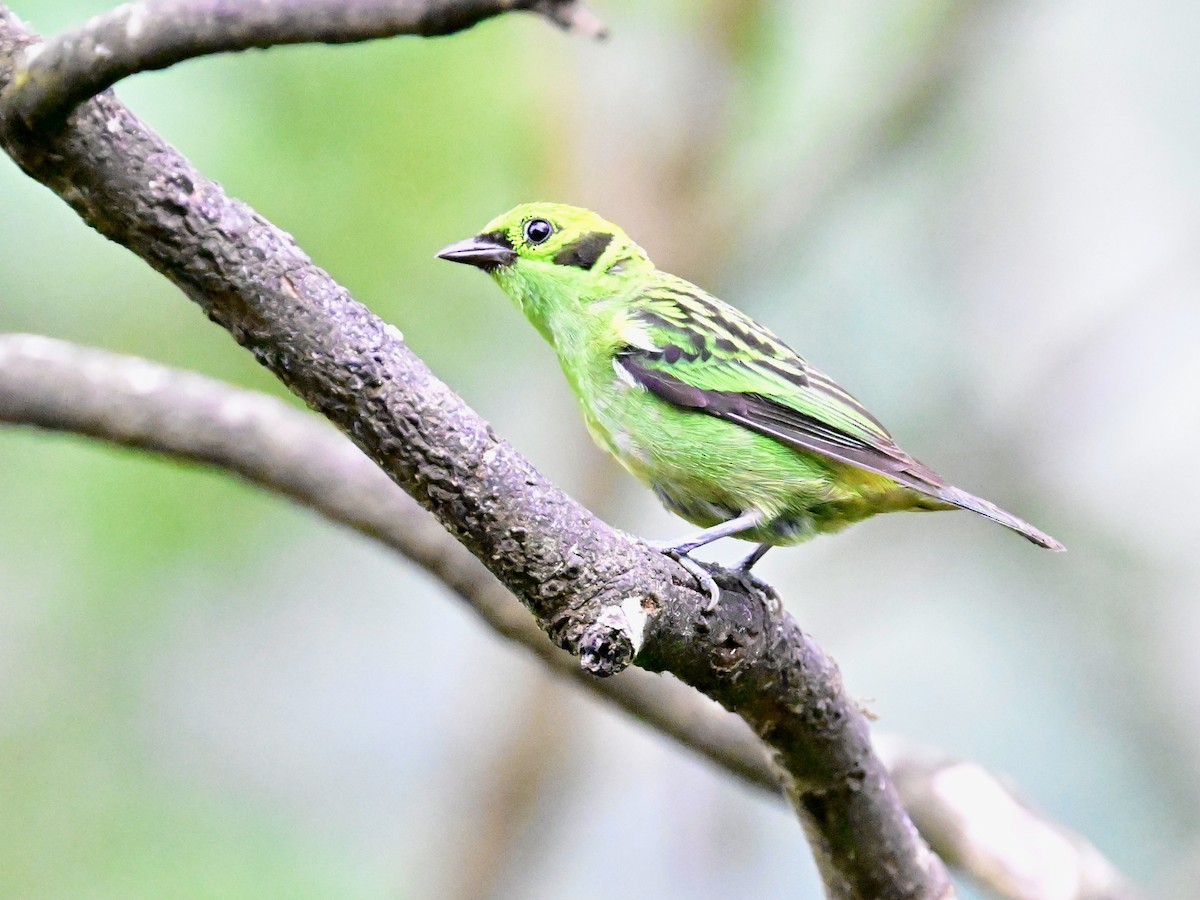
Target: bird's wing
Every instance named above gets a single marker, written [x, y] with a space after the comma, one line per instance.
[698, 353]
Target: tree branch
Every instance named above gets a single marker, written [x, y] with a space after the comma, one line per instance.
[55, 76]
[976, 823]
[968, 815]
[598, 593]
[133, 402]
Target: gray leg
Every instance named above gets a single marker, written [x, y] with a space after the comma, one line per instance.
[759, 552]
[744, 522]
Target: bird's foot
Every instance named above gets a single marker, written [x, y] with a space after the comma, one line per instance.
[755, 583]
[679, 553]
[743, 571]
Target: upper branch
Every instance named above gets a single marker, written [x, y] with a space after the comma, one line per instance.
[55, 76]
[597, 592]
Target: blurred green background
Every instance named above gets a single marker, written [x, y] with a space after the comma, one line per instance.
[981, 218]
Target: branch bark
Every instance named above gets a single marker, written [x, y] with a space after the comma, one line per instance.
[968, 815]
[598, 593]
[70, 67]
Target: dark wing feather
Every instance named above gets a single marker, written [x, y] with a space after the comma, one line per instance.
[783, 423]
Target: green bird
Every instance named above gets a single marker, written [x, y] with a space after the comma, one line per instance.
[729, 426]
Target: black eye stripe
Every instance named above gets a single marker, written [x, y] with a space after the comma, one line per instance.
[584, 252]
[497, 237]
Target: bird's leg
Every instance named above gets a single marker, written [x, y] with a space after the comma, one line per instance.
[733, 526]
[679, 552]
[759, 552]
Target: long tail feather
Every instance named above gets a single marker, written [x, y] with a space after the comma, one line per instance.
[991, 511]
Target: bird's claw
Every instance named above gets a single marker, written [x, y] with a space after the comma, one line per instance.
[697, 571]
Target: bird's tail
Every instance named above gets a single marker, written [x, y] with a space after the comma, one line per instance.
[963, 500]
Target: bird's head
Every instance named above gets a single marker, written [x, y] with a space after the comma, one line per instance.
[549, 257]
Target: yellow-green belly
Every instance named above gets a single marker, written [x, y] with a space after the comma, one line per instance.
[709, 470]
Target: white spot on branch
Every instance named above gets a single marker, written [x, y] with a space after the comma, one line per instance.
[635, 616]
[144, 378]
[32, 52]
[136, 23]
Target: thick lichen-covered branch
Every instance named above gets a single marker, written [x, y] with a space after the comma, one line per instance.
[598, 593]
[54, 76]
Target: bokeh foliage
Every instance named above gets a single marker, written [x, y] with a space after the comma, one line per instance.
[981, 218]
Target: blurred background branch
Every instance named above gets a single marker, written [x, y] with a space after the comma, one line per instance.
[978, 823]
[966, 814]
[137, 403]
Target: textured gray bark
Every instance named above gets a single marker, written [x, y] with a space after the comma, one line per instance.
[574, 573]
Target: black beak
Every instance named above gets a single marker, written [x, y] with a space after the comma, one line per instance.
[487, 251]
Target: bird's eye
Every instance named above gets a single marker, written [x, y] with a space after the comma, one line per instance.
[538, 230]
